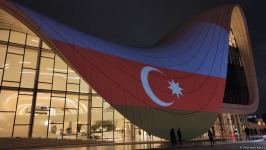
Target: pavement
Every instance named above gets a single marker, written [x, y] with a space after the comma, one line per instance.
[52, 144]
[258, 144]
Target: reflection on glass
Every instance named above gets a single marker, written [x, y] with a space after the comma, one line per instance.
[43, 99]
[23, 109]
[72, 101]
[8, 100]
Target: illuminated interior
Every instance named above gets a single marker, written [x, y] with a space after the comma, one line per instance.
[66, 106]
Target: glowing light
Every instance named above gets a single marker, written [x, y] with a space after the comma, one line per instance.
[46, 122]
[33, 40]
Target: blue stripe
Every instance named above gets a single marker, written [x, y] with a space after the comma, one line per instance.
[205, 55]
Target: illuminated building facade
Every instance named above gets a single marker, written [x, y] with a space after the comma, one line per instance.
[49, 72]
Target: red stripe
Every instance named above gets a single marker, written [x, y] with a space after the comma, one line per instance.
[117, 80]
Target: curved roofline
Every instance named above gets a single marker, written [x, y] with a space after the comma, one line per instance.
[231, 19]
[237, 24]
[239, 28]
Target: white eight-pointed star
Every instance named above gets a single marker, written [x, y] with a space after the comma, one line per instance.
[176, 89]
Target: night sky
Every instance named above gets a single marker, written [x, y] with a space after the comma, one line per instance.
[142, 23]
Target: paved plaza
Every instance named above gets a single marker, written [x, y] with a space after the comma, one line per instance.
[52, 144]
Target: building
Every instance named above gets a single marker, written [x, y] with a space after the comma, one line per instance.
[49, 72]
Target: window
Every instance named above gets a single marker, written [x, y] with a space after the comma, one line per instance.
[66, 106]
[45, 46]
[40, 123]
[15, 50]
[83, 112]
[2, 55]
[96, 123]
[8, 100]
[72, 101]
[84, 87]
[60, 65]
[59, 81]
[30, 58]
[23, 109]
[4, 35]
[73, 87]
[28, 78]
[72, 76]
[17, 37]
[119, 126]
[1, 73]
[70, 123]
[7, 126]
[96, 101]
[13, 67]
[32, 40]
[46, 70]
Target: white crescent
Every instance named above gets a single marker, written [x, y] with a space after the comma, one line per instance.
[144, 79]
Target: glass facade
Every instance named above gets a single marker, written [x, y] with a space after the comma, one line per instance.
[42, 97]
[228, 127]
[236, 89]
[65, 105]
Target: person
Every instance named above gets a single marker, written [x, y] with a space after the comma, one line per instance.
[255, 131]
[172, 137]
[210, 135]
[247, 133]
[53, 129]
[233, 137]
[79, 128]
[179, 134]
[236, 133]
